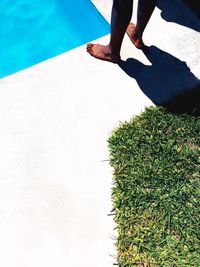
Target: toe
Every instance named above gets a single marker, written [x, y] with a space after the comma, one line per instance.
[89, 48]
[89, 45]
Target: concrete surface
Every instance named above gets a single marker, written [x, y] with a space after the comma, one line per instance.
[55, 119]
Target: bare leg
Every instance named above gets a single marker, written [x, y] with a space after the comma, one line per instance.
[145, 10]
[121, 16]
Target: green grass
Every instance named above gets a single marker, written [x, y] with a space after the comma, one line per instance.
[156, 159]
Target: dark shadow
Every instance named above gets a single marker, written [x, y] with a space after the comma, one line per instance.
[178, 11]
[194, 5]
[185, 103]
[167, 77]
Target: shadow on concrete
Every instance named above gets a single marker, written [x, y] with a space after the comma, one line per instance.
[185, 103]
[194, 5]
[177, 11]
[164, 80]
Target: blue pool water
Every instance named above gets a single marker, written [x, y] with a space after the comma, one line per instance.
[34, 30]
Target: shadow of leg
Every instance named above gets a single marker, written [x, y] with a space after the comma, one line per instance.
[179, 12]
[165, 78]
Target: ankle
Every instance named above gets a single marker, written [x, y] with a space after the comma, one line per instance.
[113, 50]
[138, 33]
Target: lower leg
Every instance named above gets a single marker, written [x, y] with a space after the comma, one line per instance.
[121, 16]
[145, 10]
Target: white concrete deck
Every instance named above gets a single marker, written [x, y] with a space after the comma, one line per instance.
[55, 119]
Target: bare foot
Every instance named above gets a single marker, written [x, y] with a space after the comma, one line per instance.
[102, 52]
[133, 35]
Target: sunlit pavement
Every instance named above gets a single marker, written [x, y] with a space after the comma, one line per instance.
[55, 119]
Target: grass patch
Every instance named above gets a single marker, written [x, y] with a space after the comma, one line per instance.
[156, 159]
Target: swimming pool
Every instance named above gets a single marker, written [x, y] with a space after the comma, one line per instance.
[32, 31]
